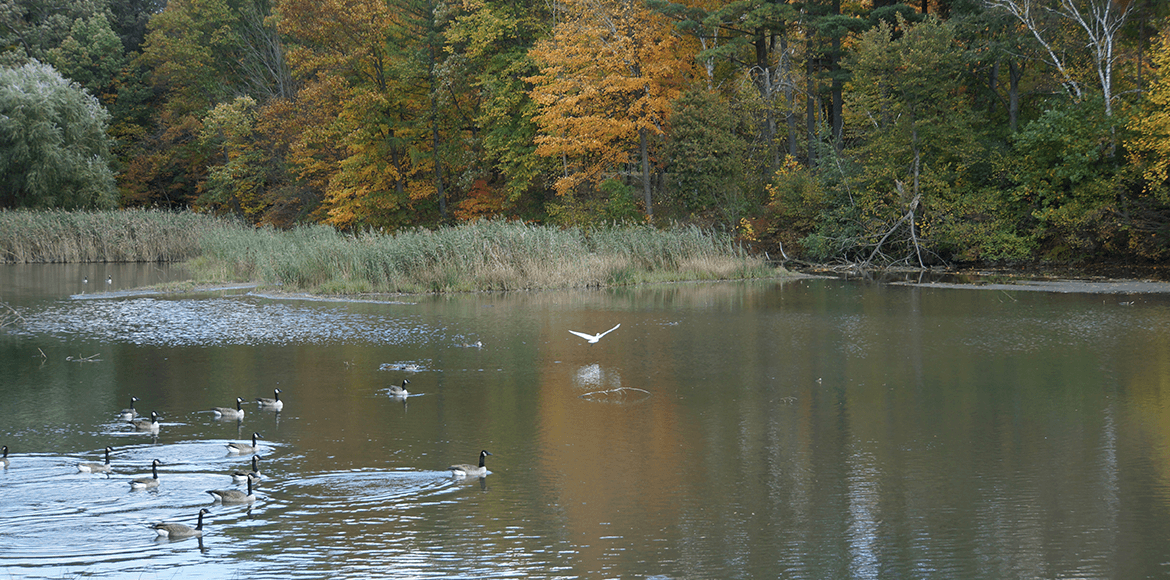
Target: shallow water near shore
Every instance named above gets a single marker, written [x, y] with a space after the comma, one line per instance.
[808, 428]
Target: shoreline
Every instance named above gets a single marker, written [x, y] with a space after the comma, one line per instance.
[981, 280]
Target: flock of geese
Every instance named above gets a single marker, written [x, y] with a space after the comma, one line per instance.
[235, 496]
[223, 496]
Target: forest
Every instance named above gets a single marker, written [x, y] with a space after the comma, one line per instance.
[862, 131]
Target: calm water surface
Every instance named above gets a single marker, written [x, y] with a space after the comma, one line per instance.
[808, 429]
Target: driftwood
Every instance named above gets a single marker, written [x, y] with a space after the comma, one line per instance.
[617, 395]
[8, 315]
[907, 217]
[83, 359]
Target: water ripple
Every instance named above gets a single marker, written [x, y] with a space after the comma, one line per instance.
[243, 320]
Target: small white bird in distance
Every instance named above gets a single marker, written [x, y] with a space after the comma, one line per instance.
[593, 338]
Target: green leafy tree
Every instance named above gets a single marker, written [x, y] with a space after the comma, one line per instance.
[704, 152]
[1062, 177]
[198, 54]
[92, 56]
[753, 39]
[490, 41]
[193, 49]
[916, 136]
[54, 152]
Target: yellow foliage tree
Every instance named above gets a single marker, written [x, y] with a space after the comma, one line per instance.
[355, 146]
[607, 77]
[1152, 144]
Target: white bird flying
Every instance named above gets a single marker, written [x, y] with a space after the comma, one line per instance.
[593, 338]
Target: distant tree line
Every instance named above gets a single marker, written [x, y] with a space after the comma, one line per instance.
[865, 131]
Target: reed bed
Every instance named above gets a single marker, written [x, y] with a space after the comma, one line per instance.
[105, 236]
[485, 255]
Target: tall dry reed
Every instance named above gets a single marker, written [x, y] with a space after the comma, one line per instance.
[484, 255]
[104, 236]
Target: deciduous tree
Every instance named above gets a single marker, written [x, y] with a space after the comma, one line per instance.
[607, 77]
[1060, 25]
[54, 152]
[916, 129]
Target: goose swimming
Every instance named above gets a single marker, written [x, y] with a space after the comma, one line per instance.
[593, 338]
[96, 467]
[230, 413]
[131, 413]
[242, 476]
[237, 448]
[274, 403]
[399, 391]
[147, 482]
[176, 531]
[233, 495]
[465, 470]
[147, 425]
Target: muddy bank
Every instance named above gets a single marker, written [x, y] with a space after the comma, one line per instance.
[1064, 286]
[1094, 279]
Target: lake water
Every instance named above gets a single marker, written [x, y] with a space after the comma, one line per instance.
[806, 429]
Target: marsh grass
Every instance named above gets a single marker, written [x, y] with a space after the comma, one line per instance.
[485, 255]
[106, 236]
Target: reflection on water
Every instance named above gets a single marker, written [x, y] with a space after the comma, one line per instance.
[811, 429]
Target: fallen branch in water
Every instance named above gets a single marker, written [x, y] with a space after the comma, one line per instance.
[90, 358]
[618, 392]
[10, 316]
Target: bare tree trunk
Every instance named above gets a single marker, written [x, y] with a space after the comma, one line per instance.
[1101, 23]
[789, 96]
[1015, 73]
[836, 88]
[810, 107]
[263, 66]
[644, 150]
[431, 77]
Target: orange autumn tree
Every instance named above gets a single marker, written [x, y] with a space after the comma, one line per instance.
[359, 145]
[608, 74]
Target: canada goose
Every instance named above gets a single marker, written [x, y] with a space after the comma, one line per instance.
[242, 476]
[233, 495]
[397, 391]
[147, 425]
[109, 279]
[96, 467]
[274, 403]
[465, 470]
[593, 338]
[131, 413]
[147, 482]
[85, 279]
[4, 456]
[236, 448]
[230, 413]
[176, 531]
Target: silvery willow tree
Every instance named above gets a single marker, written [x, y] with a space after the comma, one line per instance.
[54, 150]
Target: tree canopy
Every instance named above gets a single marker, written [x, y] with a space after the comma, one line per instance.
[871, 130]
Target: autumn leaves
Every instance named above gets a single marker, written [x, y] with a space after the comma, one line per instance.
[608, 75]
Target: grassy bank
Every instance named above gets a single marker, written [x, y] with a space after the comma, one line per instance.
[107, 236]
[486, 255]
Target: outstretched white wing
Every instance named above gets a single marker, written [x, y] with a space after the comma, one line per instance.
[592, 338]
[588, 337]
